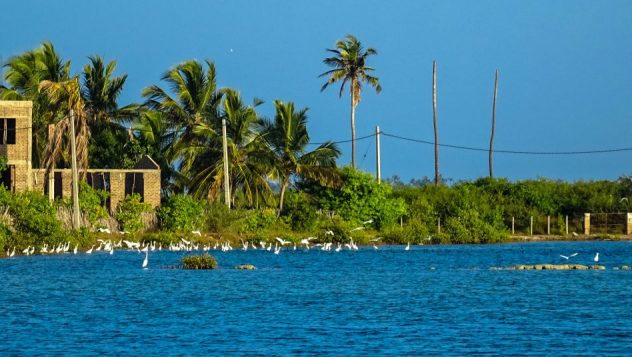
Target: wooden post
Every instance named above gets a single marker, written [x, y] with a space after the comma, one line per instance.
[566, 225]
[51, 174]
[76, 221]
[586, 223]
[378, 164]
[439, 225]
[491, 139]
[513, 226]
[226, 180]
[548, 225]
[531, 225]
[434, 121]
[628, 225]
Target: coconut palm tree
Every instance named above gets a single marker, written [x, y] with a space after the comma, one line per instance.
[195, 102]
[349, 65]
[67, 96]
[288, 139]
[100, 91]
[248, 156]
[23, 75]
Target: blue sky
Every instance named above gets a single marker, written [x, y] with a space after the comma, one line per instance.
[565, 70]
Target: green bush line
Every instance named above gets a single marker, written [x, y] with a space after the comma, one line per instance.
[470, 212]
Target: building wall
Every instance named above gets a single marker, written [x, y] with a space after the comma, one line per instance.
[19, 154]
[26, 178]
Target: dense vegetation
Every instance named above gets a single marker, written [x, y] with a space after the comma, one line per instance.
[279, 186]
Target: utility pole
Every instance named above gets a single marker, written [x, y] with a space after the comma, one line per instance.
[226, 181]
[378, 163]
[75, 177]
[491, 140]
[434, 120]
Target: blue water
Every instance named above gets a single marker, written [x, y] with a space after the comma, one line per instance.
[431, 300]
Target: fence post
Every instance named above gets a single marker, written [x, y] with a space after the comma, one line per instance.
[531, 225]
[513, 226]
[548, 225]
[586, 223]
[439, 225]
[566, 225]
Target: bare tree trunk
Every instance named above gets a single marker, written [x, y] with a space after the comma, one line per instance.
[434, 120]
[491, 140]
[284, 185]
[353, 131]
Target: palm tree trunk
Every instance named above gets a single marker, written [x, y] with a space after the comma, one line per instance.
[491, 139]
[284, 185]
[434, 120]
[353, 131]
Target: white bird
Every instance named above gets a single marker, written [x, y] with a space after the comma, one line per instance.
[75, 250]
[89, 251]
[575, 234]
[145, 261]
[329, 232]
[376, 239]
[596, 258]
[563, 256]
[283, 241]
[12, 252]
[407, 246]
[185, 241]
[103, 230]
[574, 254]
[197, 233]
[367, 222]
[374, 246]
[356, 229]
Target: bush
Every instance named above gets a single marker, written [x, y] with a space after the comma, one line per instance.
[298, 212]
[129, 213]
[259, 220]
[33, 218]
[181, 213]
[197, 262]
[92, 202]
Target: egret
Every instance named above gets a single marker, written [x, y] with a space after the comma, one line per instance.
[145, 261]
[367, 222]
[329, 232]
[89, 251]
[75, 250]
[356, 229]
[596, 258]
[197, 233]
[282, 241]
[407, 246]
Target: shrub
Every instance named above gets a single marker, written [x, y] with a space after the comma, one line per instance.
[298, 213]
[197, 262]
[129, 213]
[259, 220]
[33, 218]
[92, 202]
[181, 213]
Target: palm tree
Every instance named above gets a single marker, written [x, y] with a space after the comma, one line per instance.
[247, 154]
[100, 92]
[196, 102]
[66, 95]
[23, 75]
[349, 65]
[288, 139]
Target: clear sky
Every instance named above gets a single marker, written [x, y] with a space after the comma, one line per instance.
[565, 70]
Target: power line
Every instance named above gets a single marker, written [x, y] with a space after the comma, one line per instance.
[517, 152]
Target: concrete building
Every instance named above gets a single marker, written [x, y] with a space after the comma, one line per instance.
[16, 142]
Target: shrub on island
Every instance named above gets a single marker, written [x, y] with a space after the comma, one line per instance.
[198, 262]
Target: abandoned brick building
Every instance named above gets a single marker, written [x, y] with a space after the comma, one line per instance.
[15, 145]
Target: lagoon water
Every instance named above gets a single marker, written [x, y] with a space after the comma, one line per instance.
[431, 300]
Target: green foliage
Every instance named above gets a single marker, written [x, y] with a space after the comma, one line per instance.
[197, 262]
[33, 217]
[181, 213]
[130, 211]
[298, 212]
[361, 198]
[92, 202]
[258, 220]
[219, 217]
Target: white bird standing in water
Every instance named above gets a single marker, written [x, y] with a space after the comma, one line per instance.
[145, 261]
[89, 251]
[407, 246]
[596, 258]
